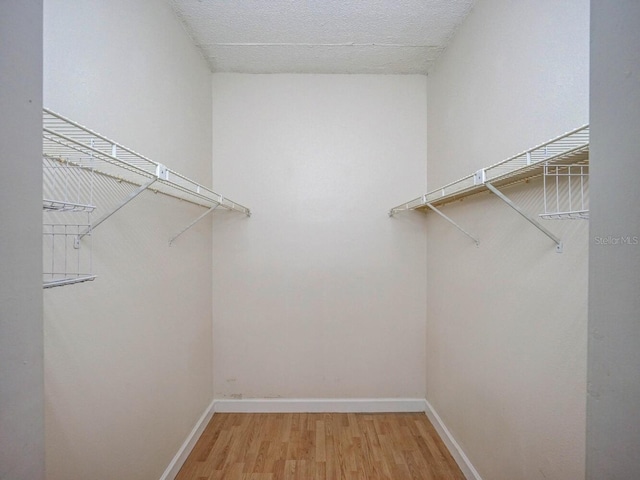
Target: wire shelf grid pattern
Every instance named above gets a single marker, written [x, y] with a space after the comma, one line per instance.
[65, 260]
[76, 144]
[566, 192]
[67, 207]
[570, 148]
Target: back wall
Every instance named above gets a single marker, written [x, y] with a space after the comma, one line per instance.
[319, 294]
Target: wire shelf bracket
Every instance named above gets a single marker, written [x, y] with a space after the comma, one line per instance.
[173, 239]
[428, 205]
[452, 222]
[526, 216]
[129, 198]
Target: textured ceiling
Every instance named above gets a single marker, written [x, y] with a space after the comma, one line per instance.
[321, 36]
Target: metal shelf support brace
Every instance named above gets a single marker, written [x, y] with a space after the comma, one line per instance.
[477, 242]
[131, 196]
[210, 210]
[526, 216]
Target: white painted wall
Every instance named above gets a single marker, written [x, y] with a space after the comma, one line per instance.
[128, 357]
[319, 294]
[613, 417]
[506, 321]
[21, 358]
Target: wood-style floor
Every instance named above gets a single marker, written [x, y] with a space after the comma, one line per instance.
[327, 446]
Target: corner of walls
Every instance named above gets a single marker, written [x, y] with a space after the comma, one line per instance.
[452, 445]
[426, 242]
[511, 78]
[185, 449]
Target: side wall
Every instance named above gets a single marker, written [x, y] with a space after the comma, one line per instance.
[21, 363]
[506, 321]
[319, 294]
[128, 357]
[613, 416]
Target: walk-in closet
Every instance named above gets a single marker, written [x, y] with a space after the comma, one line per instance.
[319, 240]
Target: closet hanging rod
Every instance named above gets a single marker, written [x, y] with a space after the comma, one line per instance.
[65, 139]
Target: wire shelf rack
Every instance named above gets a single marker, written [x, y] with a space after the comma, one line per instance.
[67, 207]
[65, 261]
[569, 148]
[64, 138]
[566, 192]
[72, 157]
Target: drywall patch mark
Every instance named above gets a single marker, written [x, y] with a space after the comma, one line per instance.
[235, 396]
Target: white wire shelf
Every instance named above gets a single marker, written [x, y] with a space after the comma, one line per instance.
[570, 148]
[566, 192]
[72, 157]
[62, 206]
[68, 281]
[84, 148]
[66, 259]
[67, 206]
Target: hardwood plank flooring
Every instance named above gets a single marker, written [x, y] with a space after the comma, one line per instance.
[320, 446]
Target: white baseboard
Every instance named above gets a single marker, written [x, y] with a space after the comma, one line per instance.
[320, 405]
[178, 460]
[458, 455]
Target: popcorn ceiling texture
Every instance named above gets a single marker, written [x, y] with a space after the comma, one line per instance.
[334, 36]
